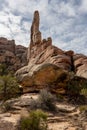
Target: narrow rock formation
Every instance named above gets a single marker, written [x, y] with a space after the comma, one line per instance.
[35, 33]
[47, 64]
[35, 37]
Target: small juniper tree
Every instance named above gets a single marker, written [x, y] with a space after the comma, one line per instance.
[8, 86]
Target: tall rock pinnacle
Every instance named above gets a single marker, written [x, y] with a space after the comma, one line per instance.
[35, 33]
[50, 67]
[37, 45]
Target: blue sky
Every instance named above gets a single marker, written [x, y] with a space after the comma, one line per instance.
[64, 20]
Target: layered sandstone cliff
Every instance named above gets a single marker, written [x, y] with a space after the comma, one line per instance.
[12, 55]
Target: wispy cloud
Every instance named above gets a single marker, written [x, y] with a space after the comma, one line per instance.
[63, 20]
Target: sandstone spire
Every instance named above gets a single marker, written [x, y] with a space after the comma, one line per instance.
[37, 45]
[35, 33]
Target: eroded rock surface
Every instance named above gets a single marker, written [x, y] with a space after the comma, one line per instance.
[80, 63]
[68, 116]
[46, 63]
[14, 56]
[43, 58]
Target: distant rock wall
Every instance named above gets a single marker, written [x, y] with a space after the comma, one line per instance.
[14, 56]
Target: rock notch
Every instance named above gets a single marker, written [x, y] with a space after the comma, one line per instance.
[48, 65]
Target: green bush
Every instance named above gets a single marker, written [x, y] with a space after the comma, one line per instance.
[75, 85]
[84, 92]
[59, 97]
[3, 69]
[8, 87]
[37, 120]
[7, 106]
[83, 108]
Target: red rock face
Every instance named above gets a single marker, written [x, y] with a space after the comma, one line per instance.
[80, 64]
[46, 60]
[44, 51]
[11, 55]
[7, 45]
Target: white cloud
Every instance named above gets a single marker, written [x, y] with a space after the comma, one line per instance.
[66, 9]
[4, 30]
[64, 21]
[83, 7]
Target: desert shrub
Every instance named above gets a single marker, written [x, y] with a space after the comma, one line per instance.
[59, 97]
[6, 106]
[75, 85]
[45, 101]
[83, 108]
[37, 120]
[84, 92]
[73, 88]
[3, 69]
[8, 87]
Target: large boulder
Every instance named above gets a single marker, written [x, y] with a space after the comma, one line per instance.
[33, 78]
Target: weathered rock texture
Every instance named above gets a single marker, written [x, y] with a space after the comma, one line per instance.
[68, 116]
[14, 56]
[47, 64]
[80, 64]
